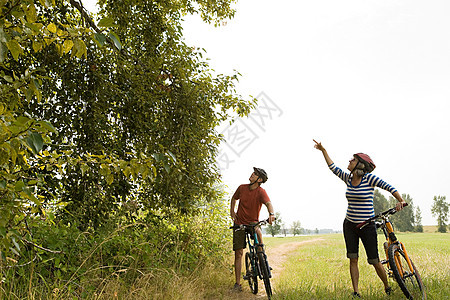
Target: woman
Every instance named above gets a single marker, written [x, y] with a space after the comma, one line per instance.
[360, 190]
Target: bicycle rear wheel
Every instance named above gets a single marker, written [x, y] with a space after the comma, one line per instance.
[264, 267]
[251, 274]
[409, 280]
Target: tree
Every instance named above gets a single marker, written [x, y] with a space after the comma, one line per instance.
[284, 229]
[403, 220]
[28, 29]
[296, 228]
[418, 227]
[439, 210]
[275, 228]
[93, 119]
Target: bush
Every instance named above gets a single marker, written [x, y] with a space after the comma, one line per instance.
[128, 253]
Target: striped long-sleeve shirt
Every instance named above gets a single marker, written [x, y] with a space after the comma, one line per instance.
[360, 198]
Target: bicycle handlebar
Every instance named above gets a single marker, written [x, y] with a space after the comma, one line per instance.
[263, 222]
[390, 211]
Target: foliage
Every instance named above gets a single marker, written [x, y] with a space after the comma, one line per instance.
[132, 251]
[275, 228]
[27, 30]
[98, 121]
[405, 219]
[380, 202]
[418, 227]
[107, 141]
[439, 210]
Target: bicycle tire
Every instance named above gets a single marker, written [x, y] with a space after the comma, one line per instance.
[251, 274]
[409, 280]
[264, 267]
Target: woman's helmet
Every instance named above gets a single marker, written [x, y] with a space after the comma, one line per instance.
[261, 174]
[369, 165]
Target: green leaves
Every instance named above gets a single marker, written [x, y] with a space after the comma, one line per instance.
[106, 22]
[115, 40]
[51, 27]
[15, 48]
[100, 39]
[30, 13]
[79, 48]
[135, 125]
[35, 142]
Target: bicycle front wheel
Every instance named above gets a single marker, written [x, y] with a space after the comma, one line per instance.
[264, 267]
[408, 279]
[251, 274]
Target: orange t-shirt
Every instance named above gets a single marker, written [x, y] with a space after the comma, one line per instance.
[250, 202]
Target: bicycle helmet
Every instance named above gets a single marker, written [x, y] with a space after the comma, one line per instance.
[261, 174]
[369, 165]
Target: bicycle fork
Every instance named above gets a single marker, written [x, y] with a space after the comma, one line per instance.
[390, 239]
[408, 261]
[388, 231]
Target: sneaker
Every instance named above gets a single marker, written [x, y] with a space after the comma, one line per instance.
[388, 290]
[237, 288]
[356, 295]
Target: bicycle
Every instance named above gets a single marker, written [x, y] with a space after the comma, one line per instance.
[398, 263]
[256, 263]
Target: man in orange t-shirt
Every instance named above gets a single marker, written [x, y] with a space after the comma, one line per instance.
[251, 198]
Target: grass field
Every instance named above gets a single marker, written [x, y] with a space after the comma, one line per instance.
[316, 269]
[320, 270]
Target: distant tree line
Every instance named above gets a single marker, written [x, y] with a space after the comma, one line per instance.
[411, 217]
[279, 227]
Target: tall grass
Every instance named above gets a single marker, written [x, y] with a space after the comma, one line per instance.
[320, 270]
[315, 270]
[176, 257]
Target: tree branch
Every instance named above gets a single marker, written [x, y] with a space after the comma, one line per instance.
[84, 14]
[42, 248]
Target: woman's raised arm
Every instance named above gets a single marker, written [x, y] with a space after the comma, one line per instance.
[319, 146]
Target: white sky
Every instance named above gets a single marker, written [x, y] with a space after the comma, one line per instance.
[359, 76]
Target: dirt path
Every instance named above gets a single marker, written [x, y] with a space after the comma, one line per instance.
[277, 256]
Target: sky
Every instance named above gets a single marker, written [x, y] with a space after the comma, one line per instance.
[358, 76]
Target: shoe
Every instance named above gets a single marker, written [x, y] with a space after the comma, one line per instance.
[237, 288]
[356, 295]
[388, 290]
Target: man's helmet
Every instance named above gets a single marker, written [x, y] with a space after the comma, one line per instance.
[261, 174]
[369, 165]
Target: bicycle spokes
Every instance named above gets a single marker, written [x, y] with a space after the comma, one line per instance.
[405, 273]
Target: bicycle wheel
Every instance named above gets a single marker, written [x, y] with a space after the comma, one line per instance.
[409, 280]
[264, 267]
[251, 274]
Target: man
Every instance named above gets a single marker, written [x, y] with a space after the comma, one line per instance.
[251, 198]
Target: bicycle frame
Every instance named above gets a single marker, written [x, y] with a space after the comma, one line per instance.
[256, 258]
[251, 235]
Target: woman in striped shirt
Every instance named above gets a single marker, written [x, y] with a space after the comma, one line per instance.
[360, 189]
